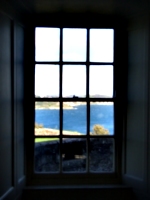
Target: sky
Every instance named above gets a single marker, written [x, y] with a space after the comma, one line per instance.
[47, 41]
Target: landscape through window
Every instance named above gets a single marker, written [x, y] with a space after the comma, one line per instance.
[74, 100]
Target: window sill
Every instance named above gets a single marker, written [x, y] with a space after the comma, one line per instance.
[107, 192]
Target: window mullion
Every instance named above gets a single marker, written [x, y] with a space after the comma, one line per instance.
[60, 96]
[87, 96]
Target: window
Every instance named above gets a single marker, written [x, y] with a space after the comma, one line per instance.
[74, 101]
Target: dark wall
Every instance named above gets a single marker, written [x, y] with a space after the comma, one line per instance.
[6, 133]
[136, 158]
[11, 108]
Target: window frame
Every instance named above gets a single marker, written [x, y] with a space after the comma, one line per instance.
[75, 178]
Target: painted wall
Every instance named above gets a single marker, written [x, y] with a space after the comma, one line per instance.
[6, 134]
[11, 108]
[136, 166]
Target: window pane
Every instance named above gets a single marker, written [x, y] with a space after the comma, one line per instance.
[101, 118]
[101, 155]
[101, 45]
[46, 80]
[74, 155]
[74, 80]
[74, 44]
[47, 118]
[46, 155]
[74, 118]
[47, 44]
[101, 81]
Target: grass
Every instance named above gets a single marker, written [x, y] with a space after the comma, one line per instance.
[45, 139]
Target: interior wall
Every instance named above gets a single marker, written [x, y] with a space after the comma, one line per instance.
[136, 136]
[12, 176]
[148, 136]
[19, 105]
[6, 147]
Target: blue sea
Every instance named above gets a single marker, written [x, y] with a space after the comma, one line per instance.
[76, 119]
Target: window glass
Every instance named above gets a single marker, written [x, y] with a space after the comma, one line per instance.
[47, 118]
[101, 155]
[46, 81]
[101, 45]
[74, 118]
[101, 118]
[46, 155]
[74, 44]
[47, 41]
[74, 80]
[74, 155]
[101, 81]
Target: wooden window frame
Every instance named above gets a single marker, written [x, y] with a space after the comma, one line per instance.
[77, 178]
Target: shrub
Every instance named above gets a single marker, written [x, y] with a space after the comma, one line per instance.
[99, 130]
[39, 125]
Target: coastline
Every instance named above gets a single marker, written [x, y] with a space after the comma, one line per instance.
[53, 108]
[72, 105]
[49, 131]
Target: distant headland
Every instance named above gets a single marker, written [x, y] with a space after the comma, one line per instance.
[66, 105]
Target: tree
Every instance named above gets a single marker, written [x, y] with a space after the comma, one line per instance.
[99, 130]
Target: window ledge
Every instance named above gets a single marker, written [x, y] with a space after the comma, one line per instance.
[104, 192]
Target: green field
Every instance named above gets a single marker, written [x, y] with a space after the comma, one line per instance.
[45, 139]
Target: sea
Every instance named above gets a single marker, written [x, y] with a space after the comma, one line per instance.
[76, 119]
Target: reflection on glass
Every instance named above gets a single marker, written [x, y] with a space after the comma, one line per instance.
[101, 155]
[74, 118]
[74, 155]
[74, 44]
[101, 45]
[74, 81]
[47, 118]
[47, 44]
[46, 155]
[101, 81]
[46, 80]
[101, 118]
